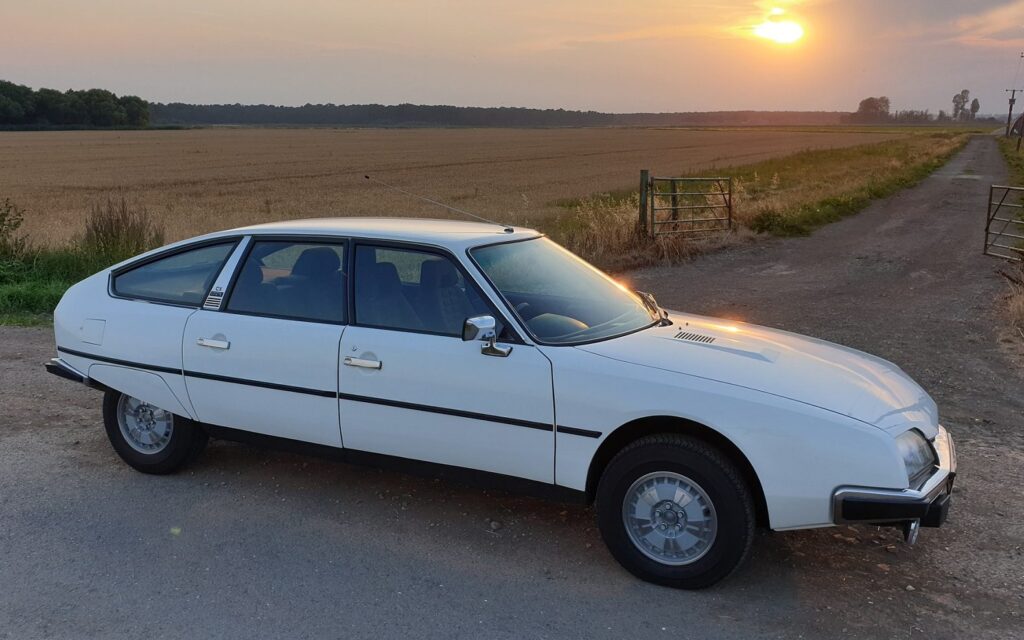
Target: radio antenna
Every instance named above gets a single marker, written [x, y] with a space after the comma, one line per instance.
[508, 229]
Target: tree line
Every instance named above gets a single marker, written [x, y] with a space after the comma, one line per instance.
[874, 110]
[413, 115]
[21, 106]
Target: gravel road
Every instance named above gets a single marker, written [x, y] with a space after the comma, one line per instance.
[249, 543]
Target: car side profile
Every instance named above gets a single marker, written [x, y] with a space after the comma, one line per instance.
[483, 351]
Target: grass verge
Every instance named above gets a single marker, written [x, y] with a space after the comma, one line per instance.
[1015, 277]
[786, 196]
[32, 280]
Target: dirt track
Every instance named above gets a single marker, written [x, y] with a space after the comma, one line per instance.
[250, 543]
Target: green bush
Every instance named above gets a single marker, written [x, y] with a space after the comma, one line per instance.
[32, 280]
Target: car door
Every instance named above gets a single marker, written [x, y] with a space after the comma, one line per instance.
[266, 358]
[411, 387]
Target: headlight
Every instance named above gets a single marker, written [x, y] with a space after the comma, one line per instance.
[917, 454]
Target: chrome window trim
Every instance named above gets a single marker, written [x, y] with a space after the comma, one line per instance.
[227, 274]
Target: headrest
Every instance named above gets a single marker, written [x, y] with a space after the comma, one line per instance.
[316, 261]
[251, 275]
[385, 278]
[437, 274]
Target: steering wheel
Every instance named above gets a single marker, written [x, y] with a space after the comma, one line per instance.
[521, 310]
[606, 323]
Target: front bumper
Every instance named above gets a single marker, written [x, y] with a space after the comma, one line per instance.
[928, 504]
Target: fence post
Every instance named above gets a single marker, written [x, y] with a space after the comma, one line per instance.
[988, 217]
[642, 222]
[730, 203]
[675, 201]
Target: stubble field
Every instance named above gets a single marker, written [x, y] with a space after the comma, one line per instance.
[200, 180]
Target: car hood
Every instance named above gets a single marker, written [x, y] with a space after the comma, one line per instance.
[807, 370]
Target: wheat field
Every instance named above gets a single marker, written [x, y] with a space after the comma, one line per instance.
[199, 180]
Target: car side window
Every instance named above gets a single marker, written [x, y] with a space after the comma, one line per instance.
[300, 280]
[413, 290]
[182, 278]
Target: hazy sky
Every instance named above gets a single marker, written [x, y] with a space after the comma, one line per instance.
[581, 54]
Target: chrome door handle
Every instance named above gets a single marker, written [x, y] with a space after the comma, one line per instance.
[361, 362]
[213, 344]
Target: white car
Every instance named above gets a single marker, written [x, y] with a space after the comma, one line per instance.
[481, 351]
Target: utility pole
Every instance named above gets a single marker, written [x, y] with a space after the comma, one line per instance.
[1013, 99]
[1009, 116]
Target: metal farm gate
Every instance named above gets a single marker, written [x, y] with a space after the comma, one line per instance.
[1004, 224]
[692, 206]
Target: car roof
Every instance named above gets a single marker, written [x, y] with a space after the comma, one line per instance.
[445, 233]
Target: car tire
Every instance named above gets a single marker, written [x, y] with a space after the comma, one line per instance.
[675, 511]
[150, 440]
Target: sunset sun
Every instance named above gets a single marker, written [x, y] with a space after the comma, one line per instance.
[778, 30]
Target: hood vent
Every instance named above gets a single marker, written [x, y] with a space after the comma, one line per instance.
[694, 337]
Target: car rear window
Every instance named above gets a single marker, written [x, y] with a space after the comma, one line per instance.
[182, 278]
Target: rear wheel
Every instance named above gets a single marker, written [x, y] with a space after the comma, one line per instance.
[150, 439]
[674, 511]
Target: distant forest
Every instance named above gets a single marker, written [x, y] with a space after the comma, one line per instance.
[20, 106]
[411, 115]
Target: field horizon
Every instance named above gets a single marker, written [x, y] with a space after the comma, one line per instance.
[200, 180]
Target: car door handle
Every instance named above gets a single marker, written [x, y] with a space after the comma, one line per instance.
[361, 362]
[213, 344]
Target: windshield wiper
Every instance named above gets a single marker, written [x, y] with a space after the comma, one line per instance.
[652, 306]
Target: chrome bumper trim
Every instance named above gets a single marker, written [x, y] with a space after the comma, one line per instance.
[62, 369]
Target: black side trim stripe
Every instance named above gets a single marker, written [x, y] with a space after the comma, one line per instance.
[263, 385]
[126, 363]
[448, 412]
[573, 431]
[321, 393]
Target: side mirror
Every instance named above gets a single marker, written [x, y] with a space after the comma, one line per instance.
[484, 329]
[479, 328]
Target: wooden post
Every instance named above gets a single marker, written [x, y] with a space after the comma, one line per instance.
[642, 221]
[675, 201]
[730, 203]
[988, 217]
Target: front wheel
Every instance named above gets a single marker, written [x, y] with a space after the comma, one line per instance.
[149, 439]
[674, 511]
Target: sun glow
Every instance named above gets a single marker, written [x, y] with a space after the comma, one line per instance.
[780, 31]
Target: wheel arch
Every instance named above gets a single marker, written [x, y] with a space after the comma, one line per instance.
[145, 385]
[642, 427]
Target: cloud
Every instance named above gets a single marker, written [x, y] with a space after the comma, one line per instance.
[711, 19]
[998, 27]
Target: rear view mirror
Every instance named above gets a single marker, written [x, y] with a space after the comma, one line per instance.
[484, 329]
[479, 328]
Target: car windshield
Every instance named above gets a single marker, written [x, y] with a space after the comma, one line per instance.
[560, 298]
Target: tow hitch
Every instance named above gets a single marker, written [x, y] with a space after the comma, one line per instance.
[910, 530]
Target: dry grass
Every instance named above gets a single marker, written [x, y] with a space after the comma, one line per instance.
[791, 195]
[1014, 273]
[604, 231]
[194, 181]
[90, 199]
[117, 229]
[1015, 298]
